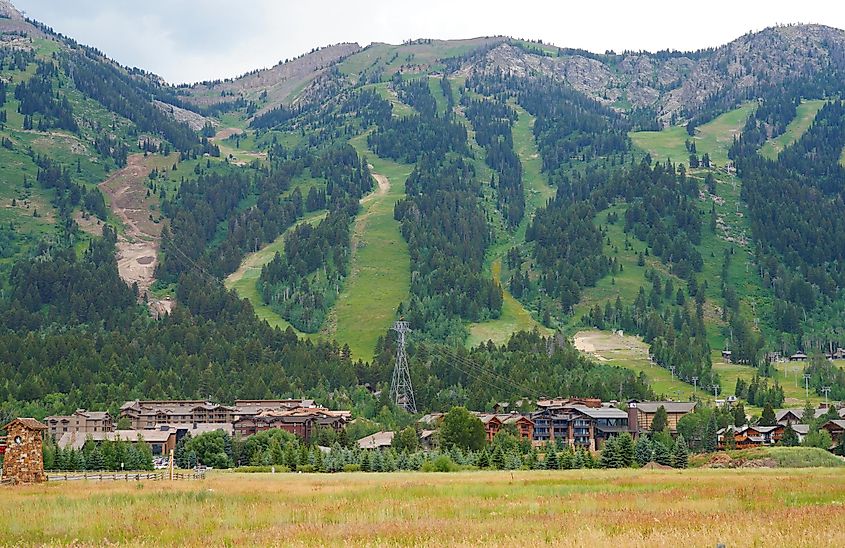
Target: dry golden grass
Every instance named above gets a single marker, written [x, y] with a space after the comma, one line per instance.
[576, 508]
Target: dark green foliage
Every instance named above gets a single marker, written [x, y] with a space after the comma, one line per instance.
[36, 96]
[643, 450]
[625, 448]
[119, 92]
[680, 452]
[406, 439]
[302, 284]
[493, 122]
[794, 204]
[768, 417]
[447, 237]
[660, 422]
[790, 437]
[551, 461]
[710, 440]
[662, 455]
[462, 429]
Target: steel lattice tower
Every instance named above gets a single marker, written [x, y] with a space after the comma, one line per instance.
[401, 391]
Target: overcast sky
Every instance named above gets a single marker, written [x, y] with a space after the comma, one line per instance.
[192, 40]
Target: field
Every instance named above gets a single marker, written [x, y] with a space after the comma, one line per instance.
[632, 353]
[714, 138]
[515, 317]
[245, 278]
[701, 507]
[380, 268]
[804, 117]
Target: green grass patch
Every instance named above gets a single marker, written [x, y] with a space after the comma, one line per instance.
[380, 271]
[804, 117]
[714, 138]
[245, 280]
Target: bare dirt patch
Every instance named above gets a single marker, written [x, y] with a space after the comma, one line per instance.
[605, 346]
[227, 132]
[137, 246]
[89, 223]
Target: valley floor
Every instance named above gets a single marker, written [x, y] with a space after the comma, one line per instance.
[702, 507]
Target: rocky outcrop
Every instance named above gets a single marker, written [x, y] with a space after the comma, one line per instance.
[675, 83]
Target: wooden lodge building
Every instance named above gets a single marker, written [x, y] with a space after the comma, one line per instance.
[578, 425]
[641, 414]
[301, 422]
[80, 422]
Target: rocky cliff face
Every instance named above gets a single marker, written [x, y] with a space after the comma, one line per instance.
[674, 83]
[282, 82]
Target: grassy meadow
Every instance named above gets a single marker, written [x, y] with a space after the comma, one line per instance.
[701, 507]
[244, 280]
[804, 117]
[714, 138]
[515, 317]
[380, 268]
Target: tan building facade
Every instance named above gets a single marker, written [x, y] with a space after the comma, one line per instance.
[80, 422]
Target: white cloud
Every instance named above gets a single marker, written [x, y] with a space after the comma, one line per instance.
[190, 40]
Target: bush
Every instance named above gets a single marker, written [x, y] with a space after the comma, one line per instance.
[440, 464]
[351, 467]
[306, 468]
[261, 469]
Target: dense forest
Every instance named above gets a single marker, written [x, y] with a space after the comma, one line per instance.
[795, 204]
[447, 236]
[493, 123]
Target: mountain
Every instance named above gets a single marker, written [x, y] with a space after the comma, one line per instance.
[501, 195]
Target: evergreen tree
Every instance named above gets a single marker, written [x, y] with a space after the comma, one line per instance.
[497, 460]
[768, 417]
[551, 458]
[643, 451]
[95, 460]
[790, 437]
[625, 447]
[662, 455]
[660, 422]
[739, 415]
[680, 452]
[710, 440]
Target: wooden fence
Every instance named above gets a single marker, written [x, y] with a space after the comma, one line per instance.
[160, 475]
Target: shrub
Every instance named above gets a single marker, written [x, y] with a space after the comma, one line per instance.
[440, 464]
[351, 467]
[306, 468]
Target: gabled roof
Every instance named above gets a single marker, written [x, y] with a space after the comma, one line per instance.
[29, 423]
[837, 422]
[670, 406]
[602, 412]
[377, 440]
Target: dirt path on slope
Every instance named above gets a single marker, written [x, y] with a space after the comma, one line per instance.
[138, 244]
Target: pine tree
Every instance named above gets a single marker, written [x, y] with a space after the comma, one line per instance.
[790, 437]
[739, 415]
[662, 455]
[483, 460]
[660, 422]
[551, 459]
[497, 460]
[643, 451]
[610, 457]
[680, 452]
[768, 417]
[711, 434]
[95, 460]
[625, 447]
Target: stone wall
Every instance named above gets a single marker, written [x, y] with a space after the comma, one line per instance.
[24, 460]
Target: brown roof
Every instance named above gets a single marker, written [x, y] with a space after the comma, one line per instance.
[670, 406]
[32, 424]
